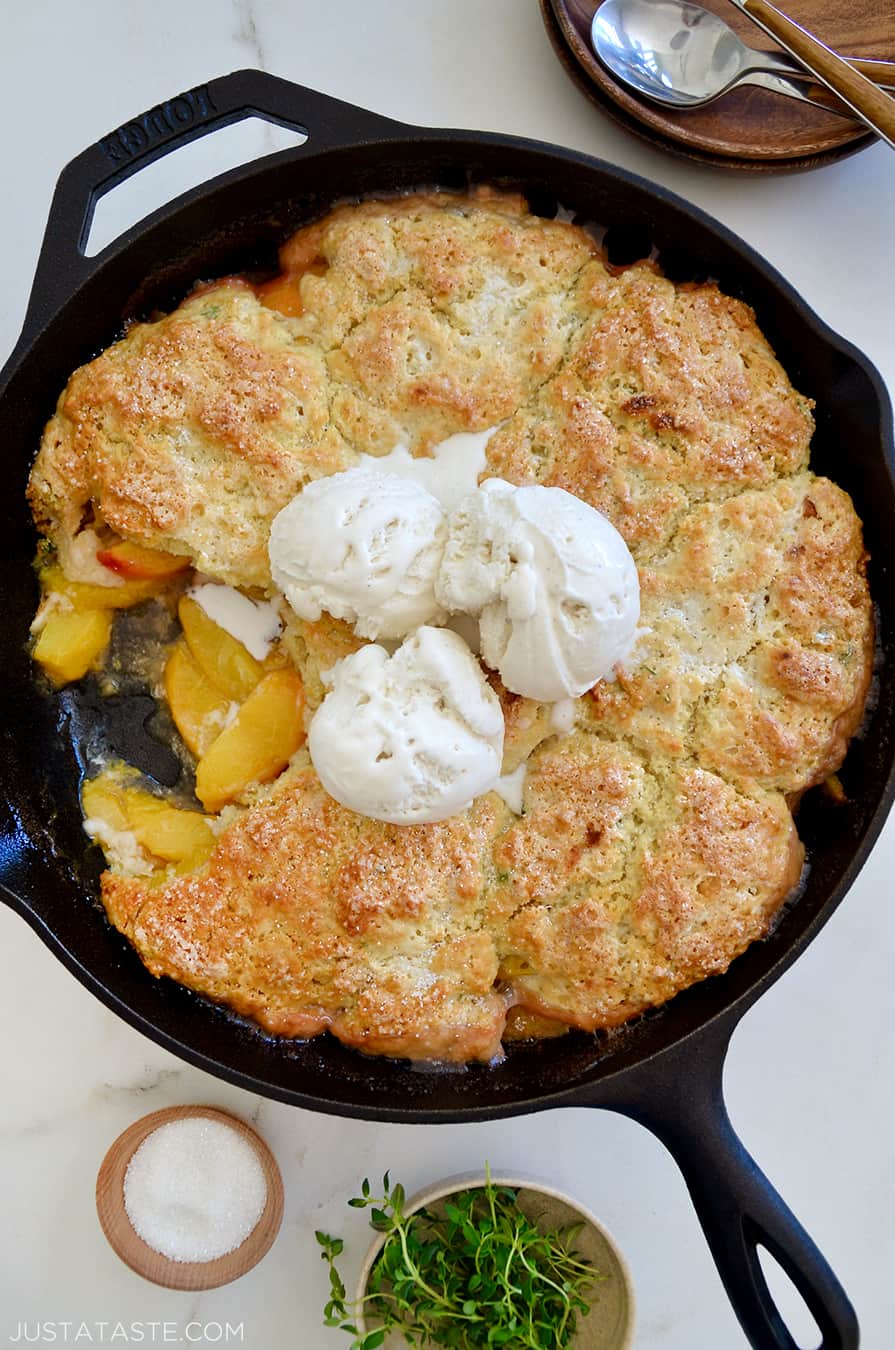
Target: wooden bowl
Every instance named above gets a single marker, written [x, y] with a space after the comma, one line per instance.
[609, 1325]
[748, 129]
[145, 1260]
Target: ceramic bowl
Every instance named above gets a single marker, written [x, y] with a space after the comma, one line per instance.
[609, 1325]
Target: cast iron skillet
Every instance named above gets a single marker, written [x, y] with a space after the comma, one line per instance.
[664, 1071]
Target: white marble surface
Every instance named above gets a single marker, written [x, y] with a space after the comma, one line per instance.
[810, 1074]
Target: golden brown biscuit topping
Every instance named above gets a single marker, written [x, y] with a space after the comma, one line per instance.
[656, 839]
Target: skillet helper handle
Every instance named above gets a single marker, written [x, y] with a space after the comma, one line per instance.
[681, 1101]
[328, 123]
[870, 104]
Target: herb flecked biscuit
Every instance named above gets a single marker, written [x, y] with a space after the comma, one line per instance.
[657, 839]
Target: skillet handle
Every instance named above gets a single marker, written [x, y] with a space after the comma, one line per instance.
[62, 264]
[681, 1101]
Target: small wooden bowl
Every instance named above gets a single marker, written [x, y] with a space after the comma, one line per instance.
[152, 1265]
[609, 1325]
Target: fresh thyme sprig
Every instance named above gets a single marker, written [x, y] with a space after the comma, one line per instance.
[476, 1273]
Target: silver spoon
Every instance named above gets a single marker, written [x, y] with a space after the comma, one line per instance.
[684, 56]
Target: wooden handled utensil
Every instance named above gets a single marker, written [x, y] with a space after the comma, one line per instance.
[865, 99]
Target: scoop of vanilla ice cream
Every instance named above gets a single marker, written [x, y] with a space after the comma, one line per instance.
[411, 737]
[553, 582]
[363, 546]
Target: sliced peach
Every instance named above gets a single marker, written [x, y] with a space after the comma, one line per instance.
[71, 641]
[168, 832]
[283, 295]
[222, 658]
[257, 744]
[102, 798]
[198, 707]
[524, 1025]
[85, 596]
[139, 563]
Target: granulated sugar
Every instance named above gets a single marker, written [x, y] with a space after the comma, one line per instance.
[194, 1189]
